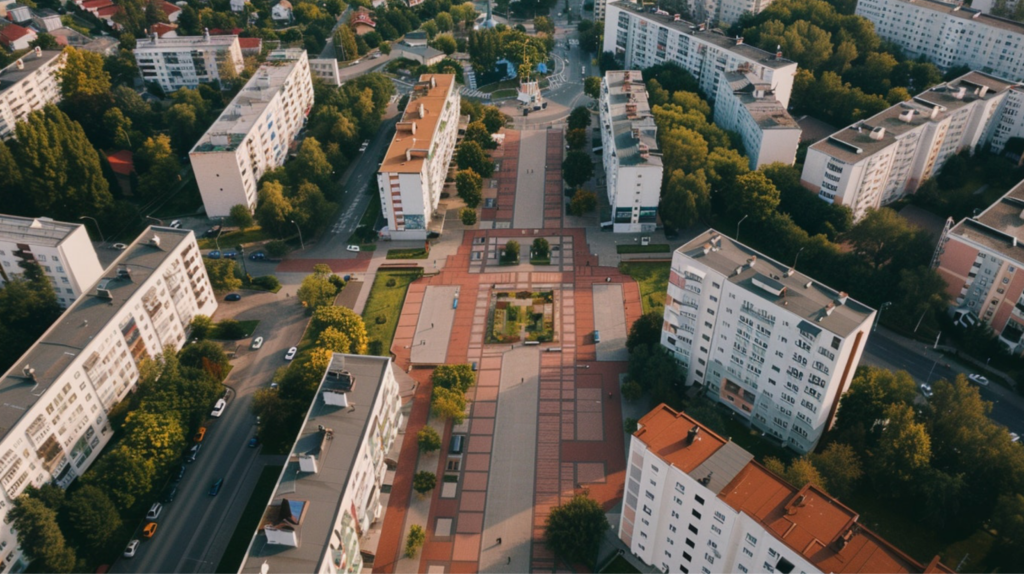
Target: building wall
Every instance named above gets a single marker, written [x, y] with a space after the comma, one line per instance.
[29, 94]
[221, 183]
[634, 192]
[71, 266]
[178, 64]
[763, 146]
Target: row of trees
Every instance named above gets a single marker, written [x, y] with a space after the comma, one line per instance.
[73, 531]
[487, 46]
[28, 306]
[471, 156]
[578, 167]
[450, 384]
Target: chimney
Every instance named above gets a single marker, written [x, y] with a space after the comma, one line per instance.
[752, 261]
[877, 134]
[420, 110]
[155, 241]
[706, 248]
[843, 296]
[778, 52]
[206, 34]
[153, 36]
[981, 92]
[829, 308]
[960, 93]
[20, 64]
[935, 113]
[39, 52]
[739, 40]
[738, 270]
[29, 372]
[691, 435]
[408, 154]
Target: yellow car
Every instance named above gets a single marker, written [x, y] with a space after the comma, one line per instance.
[149, 530]
[200, 435]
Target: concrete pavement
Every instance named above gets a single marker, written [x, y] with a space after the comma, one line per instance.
[529, 209]
[610, 320]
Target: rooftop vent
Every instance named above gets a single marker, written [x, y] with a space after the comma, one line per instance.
[960, 93]
[843, 296]
[752, 261]
[124, 272]
[907, 116]
[20, 64]
[707, 479]
[981, 91]
[739, 40]
[104, 294]
[645, 150]
[155, 240]
[29, 372]
[691, 435]
[307, 463]
[38, 52]
[877, 134]
[421, 111]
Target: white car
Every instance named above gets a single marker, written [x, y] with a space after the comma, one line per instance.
[154, 511]
[132, 548]
[362, 148]
[1014, 437]
[353, 248]
[176, 224]
[218, 409]
[291, 353]
[257, 343]
[976, 378]
[926, 390]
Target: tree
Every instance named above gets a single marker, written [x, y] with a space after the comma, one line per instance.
[880, 234]
[645, 331]
[477, 131]
[579, 118]
[344, 320]
[222, 274]
[582, 202]
[468, 216]
[758, 197]
[592, 86]
[799, 473]
[445, 43]
[574, 529]
[345, 41]
[241, 216]
[28, 306]
[230, 329]
[493, 119]
[118, 128]
[576, 139]
[207, 356]
[471, 156]
[93, 515]
[687, 198]
[40, 537]
[310, 164]
[541, 248]
[124, 475]
[448, 404]
[159, 438]
[468, 184]
[444, 22]
[423, 482]
[415, 540]
[428, 440]
[839, 466]
[632, 391]
[158, 165]
[1008, 522]
[629, 425]
[200, 327]
[334, 340]
[316, 291]
[511, 251]
[274, 210]
[577, 168]
[83, 75]
[904, 449]
[455, 377]
[863, 407]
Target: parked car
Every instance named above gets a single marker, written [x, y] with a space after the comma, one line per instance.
[979, 379]
[149, 530]
[1014, 437]
[926, 390]
[176, 224]
[230, 255]
[233, 297]
[200, 434]
[180, 474]
[170, 494]
[353, 248]
[218, 409]
[119, 246]
[291, 353]
[213, 231]
[132, 548]
[257, 343]
[258, 256]
[364, 145]
[193, 453]
[154, 511]
[213, 255]
[216, 487]
[254, 442]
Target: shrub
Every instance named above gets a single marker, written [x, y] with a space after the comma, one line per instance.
[231, 329]
[630, 425]
[416, 536]
[428, 439]
[375, 348]
[468, 216]
[276, 248]
[424, 482]
[268, 282]
[381, 319]
[390, 283]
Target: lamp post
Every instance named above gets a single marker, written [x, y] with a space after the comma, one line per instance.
[879, 315]
[159, 222]
[301, 242]
[220, 228]
[98, 230]
[797, 257]
[738, 226]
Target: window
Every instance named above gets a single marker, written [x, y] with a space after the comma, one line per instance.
[699, 500]
[772, 553]
[716, 530]
[687, 557]
[690, 543]
[648, 494]
[695, 514]
[671, 528]
[784, 566]
[675, 514]
[751, 539]
[692, 529]
[709, 557]
[647, 510]
[748, 552]
[720, 517]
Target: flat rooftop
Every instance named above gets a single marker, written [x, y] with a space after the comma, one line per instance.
[12, 75]
[239, 117]
[768, 112]
[968, 13]
[855, 143]
[41, 231]
[184, 42]
[715, 37]
[632, 121]
[322, 492]
[798, 293]
[1000, 227]
[80, 323]
[809, 521]
[409, 148]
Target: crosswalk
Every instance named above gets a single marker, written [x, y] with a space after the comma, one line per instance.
[472, 93]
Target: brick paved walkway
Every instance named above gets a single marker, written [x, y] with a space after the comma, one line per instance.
[507, 157]
[554, 199]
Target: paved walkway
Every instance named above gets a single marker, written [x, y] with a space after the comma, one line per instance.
[529, 205]
[507, 158]
[430, 342]
[610, 321]
[554, 199]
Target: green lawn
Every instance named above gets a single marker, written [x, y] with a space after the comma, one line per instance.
[249, 520]
[652, 248]
[248, 327]
[504, 93]
[229, 241]
[540, 260]
[653, 280]
[384, 305]
[416, 253]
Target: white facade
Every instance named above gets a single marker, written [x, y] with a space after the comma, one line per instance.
[282, 11]
[187, 61]
[46, 20]
[773, 345]
[28, 85]
[326, 69]
[58, 394]
[330, 490]
[63, 250]
[882, 159]
[747, 106]
[237, 5]
[643, 39]
[695, 502]
[411, 177]
[253, 134]
[949, 35]
[631, 158]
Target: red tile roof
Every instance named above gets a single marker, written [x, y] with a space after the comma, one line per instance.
[96, 4]
[250, 43]
[122, 162]
[220, 32]
[167, 7]
[13, 32]
[160, 29]
[108, 11]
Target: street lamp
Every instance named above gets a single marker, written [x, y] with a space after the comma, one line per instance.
[301, 242]
[98, 230]
[738, 226]
[797, 257]
[878, 316]
[159, 222]
[220, 228]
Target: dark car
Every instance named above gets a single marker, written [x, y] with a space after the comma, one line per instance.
[216, 487]
[170, 494]
[180, 474]
[254, 442]
[230, 255]
[258, 256]
[213, 255]
[233, 297]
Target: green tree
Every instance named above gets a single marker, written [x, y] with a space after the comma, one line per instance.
[477, 131]
[904, 449]
[310, 164]
[579, 118]
[582, 202]
[470, 155]
[445, 43]
[493, 119]
[468, 216]
[157, 165]
[646, 330]
[274, 211]
[159, 438]
[686, 199]
[344, 320]
[630, 425]
[93, 515]
[592, 86]
[573, 530]
[511, 251]
[200, 327]
[123, 474]
[880, 234]
[83, 75]
[541, 248]
[415, 540]
[576, 139]
[448, 404]
[241, 217]
[632, 391]
[334, 340]
[230, 329]
[118, 128]
[1008, 522]
[458, 377]
[444, 22]
[799, 473]
[839, 467]
[577, 168]
[206, 356]
[222, 274]
[28, 306]
[345, 42]
[758, 197]
[315, 292]
[40, 536]
[863, 407]
[428, 440]
[468, 184]
[544, 25]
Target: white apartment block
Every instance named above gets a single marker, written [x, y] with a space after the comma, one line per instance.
[746, 105]
[187, 61]
[328, 494]
[28, 85]
[631, 157]
[877, 161]
[773, 345]
[327, 70]
[63, 250]
[254, 133]
[643, 39]
[698, 503]
[412, 175]
[949, 35]
[986, 6]
[53, 419]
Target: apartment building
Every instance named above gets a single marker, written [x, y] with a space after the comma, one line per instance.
[327, 70]
[28, 85]
[643, 39]
[774, 345]
[747, 105]
[254, 133]
[877, 161]
[411, 177]
[632, 160]
[63, 250]
[986, 6]
[980, 258]
[187, 61]
[328, 494]
[949, 35]
[707, 506]
[53, 419]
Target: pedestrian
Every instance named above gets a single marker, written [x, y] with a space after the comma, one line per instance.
[431, 325]
[499, 541]
[522, 380]
[509, 561]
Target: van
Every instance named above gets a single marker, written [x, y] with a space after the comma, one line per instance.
[457, 444]
[597, 336]
[154, 511]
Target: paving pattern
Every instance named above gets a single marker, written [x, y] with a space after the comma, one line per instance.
[554, 199]
[507, 159]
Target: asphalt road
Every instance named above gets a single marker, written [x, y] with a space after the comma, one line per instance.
[194, 529]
